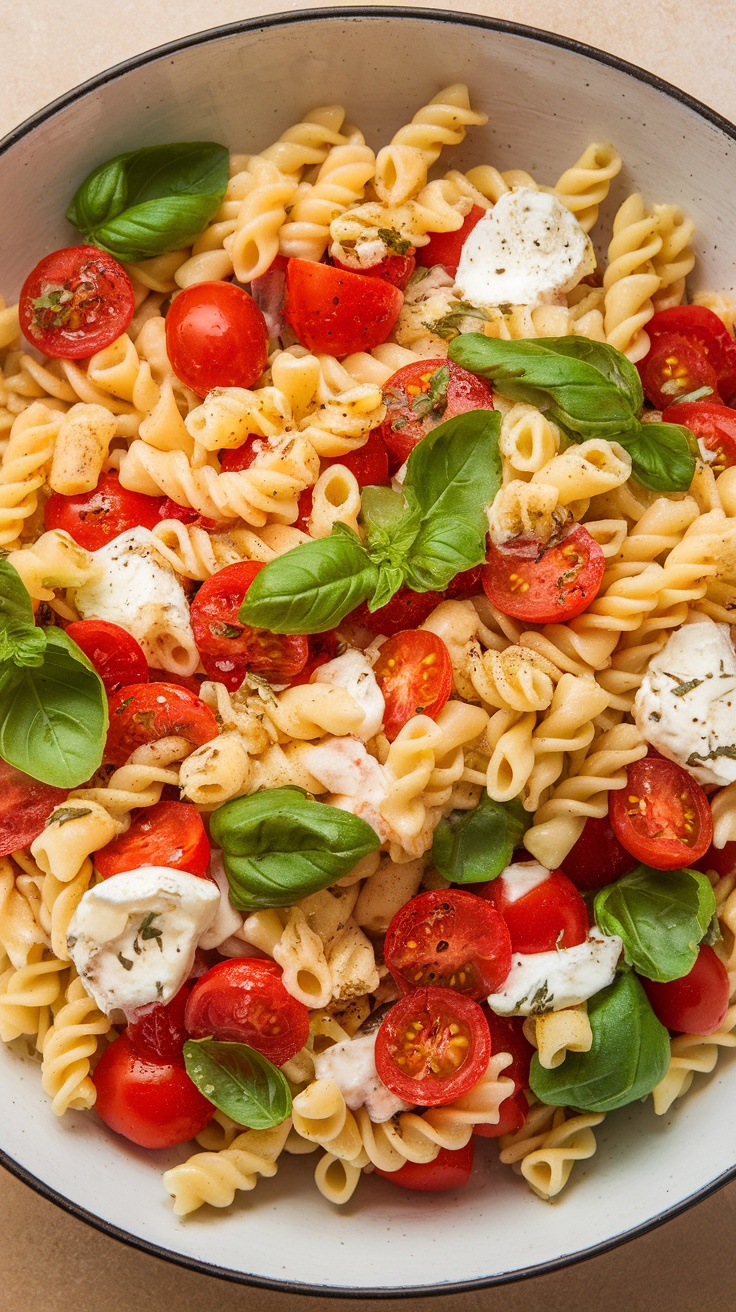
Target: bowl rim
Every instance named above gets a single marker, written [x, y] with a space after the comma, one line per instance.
[17, 134]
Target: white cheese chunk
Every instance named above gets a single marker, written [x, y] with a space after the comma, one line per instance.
[521, 877]
[353, 672]
[686, 704]
[551, 981]
[139, 591]
[352, 1066]
[527, 250]
[356, 780]
[227, 921]
[133, 937]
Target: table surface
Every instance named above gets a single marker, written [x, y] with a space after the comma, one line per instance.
[49, 1260]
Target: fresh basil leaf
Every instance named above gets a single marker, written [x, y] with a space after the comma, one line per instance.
[661, 456]
[390, 579]
[241, 1082]
[662, 916]
[389, 529]
[156, 227]
[630, 1053]
[53, 717]
[442, 548]
[471, 847]
[279, 845]
[312, 587]
[612, 364]
[20, 640]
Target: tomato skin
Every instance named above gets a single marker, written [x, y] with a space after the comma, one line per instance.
[99, 302]
[114, 652]
[597, 858]
[407, 420]
[337, 311]
[704, 330]
[229, 649]
[144, 712]
[406, 610]
[714, 425]
[549, 916]
[244, 1001]
[720, 859]
[544, 584]
[167, 834]
[368, 465]
[393, 268]
[158, 1031]
[94, 518]
[507, 1035]
[414, 673]
[651, 816]
[438, 937]
[512, 1113]
[697, 1002]
[426, 1031]
[322, 648]
[216, 337]
[445, 248]
[466, 584]
[152, 1103]
[672, 368]
[26, 806]
[450, 1169]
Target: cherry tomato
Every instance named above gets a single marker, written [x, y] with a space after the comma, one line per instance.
[597, 858]
[368, 465]
[25, 807]
[449, 938]
[420, 396]
[696, 1003]
[714, 425]
[229, 649]
[661, 816]
[507, 1035]
[450, 1169]
[544, 584]
[114, 652]
[322, 648]
[551, 915]
[75, 302]
[445, 248]
[414, 673]
[94, 518]
[673, 368]
[304, 509]
[393, 268]
[216, 337]
[244, 1001]
[242, 457]
[158, 1030]
[153, 1103]
[432, 1047]
[465, 584]
[167, 834]
[336, 311]
[405, 610]
[720, 859]
[191, 681]
[704, 330]
[144, 712]
[512, 1113]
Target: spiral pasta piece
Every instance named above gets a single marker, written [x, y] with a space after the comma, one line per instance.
[24, 462]
[229, 415]
[566, 727]
[343, 424]
[340, 183]
[630, 280]
[584, 186]
[215, 1178]
[440, 123]
[20, 930]
[676, 259]
[692, 1054]
[68, 1048]
[138, 783]
[548, 1164]
[27, 995]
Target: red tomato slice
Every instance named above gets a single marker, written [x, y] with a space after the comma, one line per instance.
[75, 302]
[707, 333]
[94, 518]
[244, 1001]
[406, 610]
[114, 652]
[153, 1103]
[450, 1169]
[393, 268]
[662, 816]
[445, 248]
[167, 834]
[674, 367]
[420, 396]
[432, 1047]
[322, 648]
[720, 859]
[597, 858]
[714, 425]
[216, 337]
[369, 464]
[144, 712]
[158, 1031]
[696, 1003]
[414, 673]
[448, 938]
[544, 584]
[229, 649]
[26, 806]
[465, 584]
[512, 1113]
[338, 312]
[507, 1035]
[551, 915]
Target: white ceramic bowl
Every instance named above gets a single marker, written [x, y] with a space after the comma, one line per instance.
[546, 98]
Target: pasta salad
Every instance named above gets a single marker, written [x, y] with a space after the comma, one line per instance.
[367, 688]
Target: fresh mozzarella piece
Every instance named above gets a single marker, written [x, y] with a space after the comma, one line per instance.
[551, 981]
[527, 250]
[356, 780]
[365, 254]
[352, 1066]
[139, 591]
[133, 937]
[227, 921]
[353, 672]
[686, 704]
[521, 877]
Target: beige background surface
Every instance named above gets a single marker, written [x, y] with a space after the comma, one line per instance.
[50, 1262]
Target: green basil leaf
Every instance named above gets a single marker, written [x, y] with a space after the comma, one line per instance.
[471, 847]
[279, 845]
[312, 587]
[661, 456]
[20, 640]
[612, 364]
[156, 227]
[661, 915]
[443, 548]
[390, 579]
[630, 1053]
[239, 1081]
[53, 717]
[456, 468]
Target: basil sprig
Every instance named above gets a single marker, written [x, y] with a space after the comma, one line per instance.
[589, 389]
[630, 1053]
[152, 200]
[279, 845]
[662, 917]
[471, 847]
[239, 1081]
[424, 538]
[20, 641]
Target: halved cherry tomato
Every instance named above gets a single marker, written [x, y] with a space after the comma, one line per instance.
[322, 648]
[368, 465]
[144, 712]
[662, 816]
[551, 915]
[714, 425]
[597, 858]
[336, 311]
[445, 248]
[450, 1169]
[448, 938]
[158, 1030]
[414, 673]
[544, 584]
[420, 396]
[25, 806]
[674, 367]
[406, 610]
[697, 1002]
[216, 337]
[94, 518]
[75, 302]
[393, 268]
[465, 584]
[432, 1047]
[153, 1103]
[244, 1001]
[191, 681]
[512, 1113]
[230, 649]
[507, 1035]
[167, 834]
[114, 652]
[704, 330]
[720, 859]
